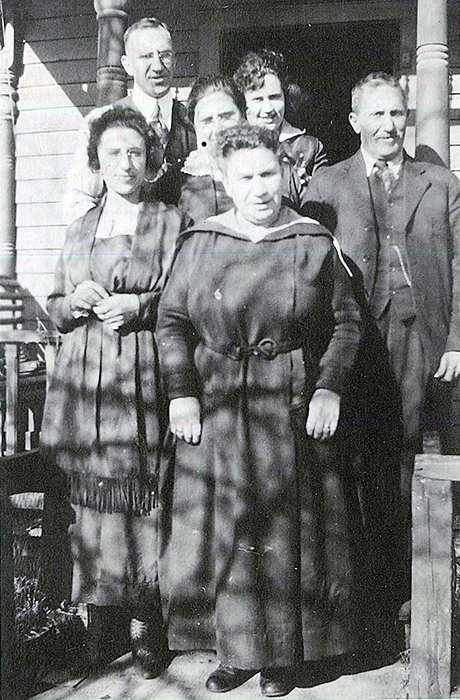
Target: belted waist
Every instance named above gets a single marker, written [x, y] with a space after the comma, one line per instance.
[266, 349]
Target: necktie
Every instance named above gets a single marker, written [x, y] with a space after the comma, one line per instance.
[383, 173]
[159, 127]
[159, 137]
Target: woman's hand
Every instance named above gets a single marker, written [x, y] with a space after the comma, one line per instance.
[117, 310]
[323, 414]
[85, 296]
[184, 419]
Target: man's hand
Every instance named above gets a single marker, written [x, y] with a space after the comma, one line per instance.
[449, 367]
[85, 296]
[184, 419]
[117, 310]
[323, 414]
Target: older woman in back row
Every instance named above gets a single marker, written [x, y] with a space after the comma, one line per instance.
[264, 555]
[264, 81]
[216, 103]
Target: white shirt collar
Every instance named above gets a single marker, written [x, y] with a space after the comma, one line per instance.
[147, 105]
[119, 217]
[200, 162]
[394, 165]
[288, 131]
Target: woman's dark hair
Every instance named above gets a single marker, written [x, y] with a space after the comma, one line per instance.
[208, 84]
[246, 136]
[122, 117]
[251, 72]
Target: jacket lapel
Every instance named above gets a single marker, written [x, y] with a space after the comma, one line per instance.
[355, 171]
[416, 183]
[182, 137]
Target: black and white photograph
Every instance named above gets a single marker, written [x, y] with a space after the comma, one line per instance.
[230, 349]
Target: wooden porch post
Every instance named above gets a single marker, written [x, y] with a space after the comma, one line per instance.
[112, 17]
[432, 109]
[8, 114]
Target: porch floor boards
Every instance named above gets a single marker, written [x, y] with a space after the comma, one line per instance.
[186, 676]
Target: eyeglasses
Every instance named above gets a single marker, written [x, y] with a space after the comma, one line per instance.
[226, 118]
[166, 57]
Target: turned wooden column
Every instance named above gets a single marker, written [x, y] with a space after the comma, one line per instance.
[112, 17]
[432, 109]
[8, 114]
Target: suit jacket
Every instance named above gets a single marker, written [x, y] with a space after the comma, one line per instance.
[339, 196]
[85, 188]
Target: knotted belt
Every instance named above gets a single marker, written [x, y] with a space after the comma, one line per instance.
[266, 349]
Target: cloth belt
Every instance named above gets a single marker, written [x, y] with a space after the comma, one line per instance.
[266, 349]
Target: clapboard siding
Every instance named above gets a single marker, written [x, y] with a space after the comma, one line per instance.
[56, 90]
[62, 27]
[61, 72]
[455, 158]
[38, 262]
[47, 142]
[34, 191]
[50, 120]
[38, 237]
[65, 49]
[55, 96]
[42, 167]
[60, 8]
[455, 135]
[39, 214]
[179, 15]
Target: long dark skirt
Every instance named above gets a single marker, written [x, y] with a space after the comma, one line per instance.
[266, 565]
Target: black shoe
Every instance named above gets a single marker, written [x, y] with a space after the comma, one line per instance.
[151, 655]
[226, 678]
[275, 682]
[107, 636]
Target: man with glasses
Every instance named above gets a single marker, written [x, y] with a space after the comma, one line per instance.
[149, 60]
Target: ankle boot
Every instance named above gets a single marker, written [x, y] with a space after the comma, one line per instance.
[108, 634]
[149, 645]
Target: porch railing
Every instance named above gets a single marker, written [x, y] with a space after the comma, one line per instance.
[22, 397]
[433, 637]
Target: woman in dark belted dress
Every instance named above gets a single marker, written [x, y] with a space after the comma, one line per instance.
[264, 551]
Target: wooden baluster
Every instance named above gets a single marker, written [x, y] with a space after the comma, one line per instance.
[12, 395]
[111, 77]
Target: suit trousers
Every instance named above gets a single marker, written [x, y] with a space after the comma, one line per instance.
[427, 403]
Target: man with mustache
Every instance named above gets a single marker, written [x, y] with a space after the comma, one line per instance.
[149, 59]
[399, 220]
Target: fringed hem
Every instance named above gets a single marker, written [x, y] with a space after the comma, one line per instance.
[136, 495]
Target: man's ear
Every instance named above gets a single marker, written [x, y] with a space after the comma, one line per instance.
[354, 121]
[126, 65]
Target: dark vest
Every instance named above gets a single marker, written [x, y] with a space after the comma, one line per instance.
[392, 282]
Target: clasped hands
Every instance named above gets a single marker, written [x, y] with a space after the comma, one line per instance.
[115, 310]
[322, 421]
